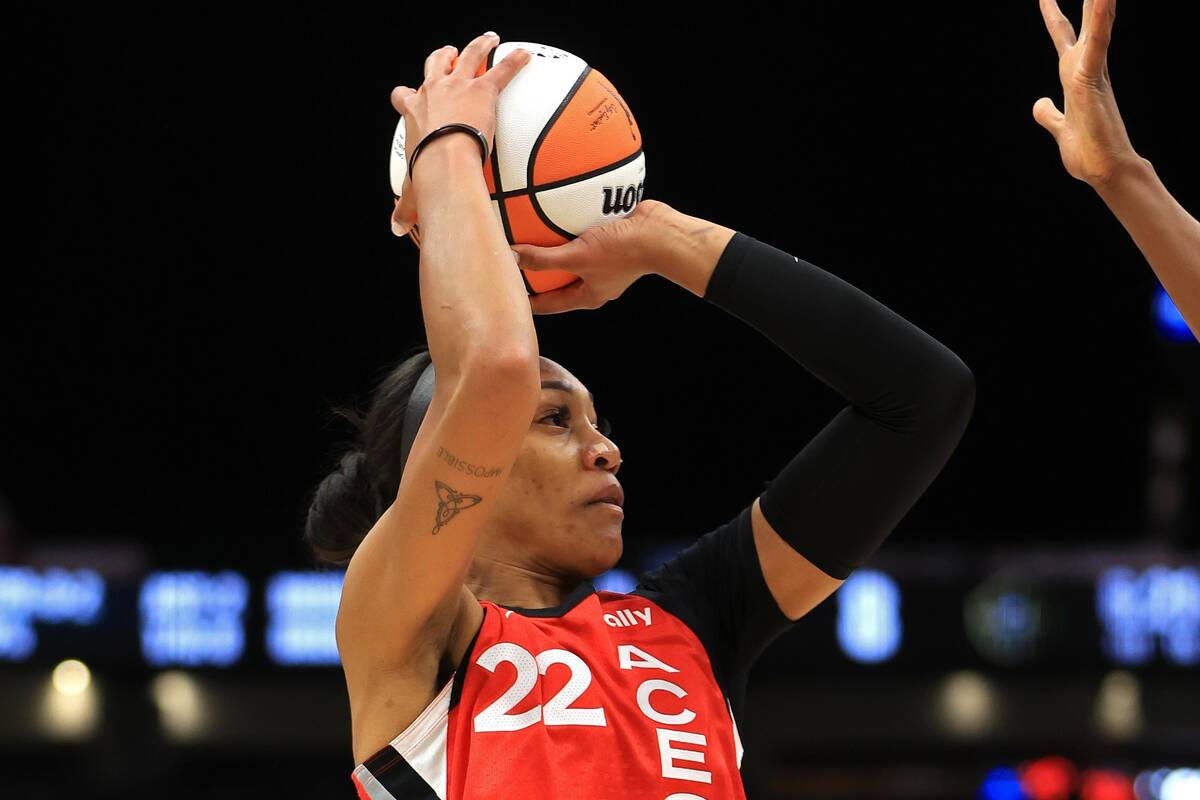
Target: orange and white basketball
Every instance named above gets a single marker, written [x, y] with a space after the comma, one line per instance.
[567, 154]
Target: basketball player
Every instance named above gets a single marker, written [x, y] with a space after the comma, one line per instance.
[482, 497]
[1095, 148]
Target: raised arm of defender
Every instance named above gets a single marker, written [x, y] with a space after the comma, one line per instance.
[1095, 148]
[406, 577]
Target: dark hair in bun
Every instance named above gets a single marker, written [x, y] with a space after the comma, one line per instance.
[351, 498]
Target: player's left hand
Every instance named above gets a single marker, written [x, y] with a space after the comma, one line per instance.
[607, 257]
[1091, 135]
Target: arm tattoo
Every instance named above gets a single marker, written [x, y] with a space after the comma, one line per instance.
[450, 503]
[471, 469]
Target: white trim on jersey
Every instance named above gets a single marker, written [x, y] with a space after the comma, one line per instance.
[371, 784]
[737, 739]
[422, 744]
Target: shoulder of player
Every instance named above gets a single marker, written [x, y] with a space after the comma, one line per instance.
[385, 699]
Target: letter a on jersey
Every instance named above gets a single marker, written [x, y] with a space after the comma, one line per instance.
[632, 657]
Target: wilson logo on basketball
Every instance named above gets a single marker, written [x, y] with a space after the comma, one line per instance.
[622, 199]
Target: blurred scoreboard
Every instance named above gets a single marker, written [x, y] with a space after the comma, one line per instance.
[1145, 616]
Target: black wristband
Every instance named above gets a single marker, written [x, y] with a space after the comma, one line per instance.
[442, 131]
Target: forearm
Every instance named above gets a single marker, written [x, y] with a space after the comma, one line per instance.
[1163, 230]
[849, 340]
[472, 296]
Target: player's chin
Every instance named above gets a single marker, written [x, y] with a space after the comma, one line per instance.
[604, 549]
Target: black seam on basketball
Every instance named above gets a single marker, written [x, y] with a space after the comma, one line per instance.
[537, 145]
[508, 234]
[545, 187]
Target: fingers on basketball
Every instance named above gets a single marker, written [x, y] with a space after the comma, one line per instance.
[502, 73]
[577, 295]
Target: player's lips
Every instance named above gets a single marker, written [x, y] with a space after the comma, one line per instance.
[613, 493]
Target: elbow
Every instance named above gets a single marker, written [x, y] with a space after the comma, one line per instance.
[931, 399]
[951, 396]
[510, 369]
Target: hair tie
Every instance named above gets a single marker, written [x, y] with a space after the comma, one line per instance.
[442, 131]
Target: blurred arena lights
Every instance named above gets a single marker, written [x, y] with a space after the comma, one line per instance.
[1167, 319]
[659, 553]
[1105, 784]
[1001, 783]
[616, 580]
[1136, 610]
[1180, 784]
[1119, 706]
[1048, 778]
[55, 596]
[69, 707]
[868, 617]
[193, 618]
[967, 705]
[1148, 784]
[71, 677]
[1162, 783]
[1003, 623]
[301, 616]
[180, 704]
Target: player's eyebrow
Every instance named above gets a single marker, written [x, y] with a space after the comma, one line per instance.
[563, 386]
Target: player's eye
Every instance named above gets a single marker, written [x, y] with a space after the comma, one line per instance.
[562, 413]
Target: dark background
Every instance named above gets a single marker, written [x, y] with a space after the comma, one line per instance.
[200, 263]
[207, 263]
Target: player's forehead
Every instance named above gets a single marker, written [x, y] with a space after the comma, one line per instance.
[556, 376]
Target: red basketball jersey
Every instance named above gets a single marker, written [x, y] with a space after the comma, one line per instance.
[606, 696]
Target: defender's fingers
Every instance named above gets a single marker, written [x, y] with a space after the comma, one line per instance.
[440, 61]
[1060, 28]
[1098, 38]
[568, 298]
[475, 53]
[1048, 116]
[503, 72]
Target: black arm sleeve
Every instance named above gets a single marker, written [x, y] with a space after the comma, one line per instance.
[909, 399]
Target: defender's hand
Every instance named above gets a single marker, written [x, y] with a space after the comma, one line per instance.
[1091, 135]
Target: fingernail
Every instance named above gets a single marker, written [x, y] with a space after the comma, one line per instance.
[493, 34]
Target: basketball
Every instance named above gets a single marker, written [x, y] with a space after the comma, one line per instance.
[567, 154]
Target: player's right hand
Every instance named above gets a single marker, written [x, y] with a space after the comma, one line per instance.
[457, 88]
